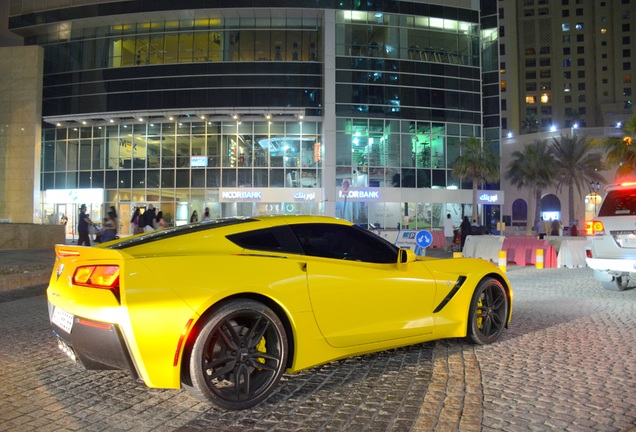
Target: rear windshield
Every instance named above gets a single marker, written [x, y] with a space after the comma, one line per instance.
[619, 203]
[177, 231]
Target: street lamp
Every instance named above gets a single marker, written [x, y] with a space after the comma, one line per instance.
[594, 189]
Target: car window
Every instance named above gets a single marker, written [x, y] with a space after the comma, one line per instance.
[275, 239]
[344, 242]
[619, 203]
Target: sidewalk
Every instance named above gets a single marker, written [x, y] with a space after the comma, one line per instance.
[21, 268]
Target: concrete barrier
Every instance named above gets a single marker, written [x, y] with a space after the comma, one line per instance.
[30, 236]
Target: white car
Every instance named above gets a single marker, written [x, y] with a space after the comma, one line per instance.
[610, 247]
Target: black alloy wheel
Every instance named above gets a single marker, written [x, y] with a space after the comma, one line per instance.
[488, 312]
[239, 355]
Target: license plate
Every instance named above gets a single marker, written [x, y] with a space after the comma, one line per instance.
[62, 319]
[626, 240]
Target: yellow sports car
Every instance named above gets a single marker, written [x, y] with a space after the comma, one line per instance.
[225, 307]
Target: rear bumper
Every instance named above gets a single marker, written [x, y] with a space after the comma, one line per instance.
[97, 345]
[614, 266]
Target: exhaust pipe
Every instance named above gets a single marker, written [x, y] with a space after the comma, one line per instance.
[66, 349]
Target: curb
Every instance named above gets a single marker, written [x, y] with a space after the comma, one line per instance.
[23, 280]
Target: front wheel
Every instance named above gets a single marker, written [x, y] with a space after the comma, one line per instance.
[488, 312]
[238, 356]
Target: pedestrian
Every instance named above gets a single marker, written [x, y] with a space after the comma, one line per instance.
[109, 229]
[555, 227]
[206, 214]
[150, 217]
[160, 223]
[82, 227]
[541, 231]
[195, 217]
[449, 231]
[466, 230]
[134, 220]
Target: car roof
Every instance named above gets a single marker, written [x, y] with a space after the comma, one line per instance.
[622, 185]
[269, 220]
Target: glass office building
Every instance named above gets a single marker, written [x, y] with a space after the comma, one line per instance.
[350, 109]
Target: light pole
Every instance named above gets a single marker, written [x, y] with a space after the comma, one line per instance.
[594, 189]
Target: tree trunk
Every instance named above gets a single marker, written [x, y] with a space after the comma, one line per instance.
[537, 210]
[475, 214]
[570, 205]
[529, 218]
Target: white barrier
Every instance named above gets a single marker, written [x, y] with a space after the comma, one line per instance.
[483, 246]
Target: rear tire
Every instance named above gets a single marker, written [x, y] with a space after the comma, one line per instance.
[489, 311]
[239, 355]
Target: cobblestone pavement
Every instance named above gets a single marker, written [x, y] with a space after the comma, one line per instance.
[567, 362]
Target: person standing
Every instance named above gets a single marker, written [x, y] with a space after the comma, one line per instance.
[449, 231]
[206, 214]
[541, 228]
[82, 227]
[466, 230]
[110, 225]
[555, 228]
[150, 216]
[195, 217]
[160, 222]
[134, 220]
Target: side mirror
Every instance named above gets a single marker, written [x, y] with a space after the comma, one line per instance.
[405, 256]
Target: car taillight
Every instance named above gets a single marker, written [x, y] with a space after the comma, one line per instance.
[98, 276]
[594, 227]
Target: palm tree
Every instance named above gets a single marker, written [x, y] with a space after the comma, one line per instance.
[532, 167]
[576, 166]
[621, 152]
[476, 163]
[530, 124]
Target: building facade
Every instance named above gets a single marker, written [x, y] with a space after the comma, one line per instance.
[350, 109]
[566, 63]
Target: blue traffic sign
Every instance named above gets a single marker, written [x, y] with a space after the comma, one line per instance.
[424, 239]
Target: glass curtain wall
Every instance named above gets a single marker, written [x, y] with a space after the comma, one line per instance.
[185, 41]
[182, 161]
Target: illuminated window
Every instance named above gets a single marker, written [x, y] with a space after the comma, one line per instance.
[603, 31]
[503, 85]
[545, 98]
[531, 99]
[567, 87]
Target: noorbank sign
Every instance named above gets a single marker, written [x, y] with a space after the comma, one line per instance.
[242, 195]
[271, 195]
[489, 198]
[360, 194]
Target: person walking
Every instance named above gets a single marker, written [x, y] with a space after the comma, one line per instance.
[449, 232]
[150, 216]
[82, 227]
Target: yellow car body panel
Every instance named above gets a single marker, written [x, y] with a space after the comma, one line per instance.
[363, 312]
[333, 308]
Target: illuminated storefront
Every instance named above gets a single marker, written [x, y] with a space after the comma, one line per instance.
[265, 110]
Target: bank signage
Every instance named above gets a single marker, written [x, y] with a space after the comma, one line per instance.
[270, 195]
[488, 198]
[239, 195]
[360, 194]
